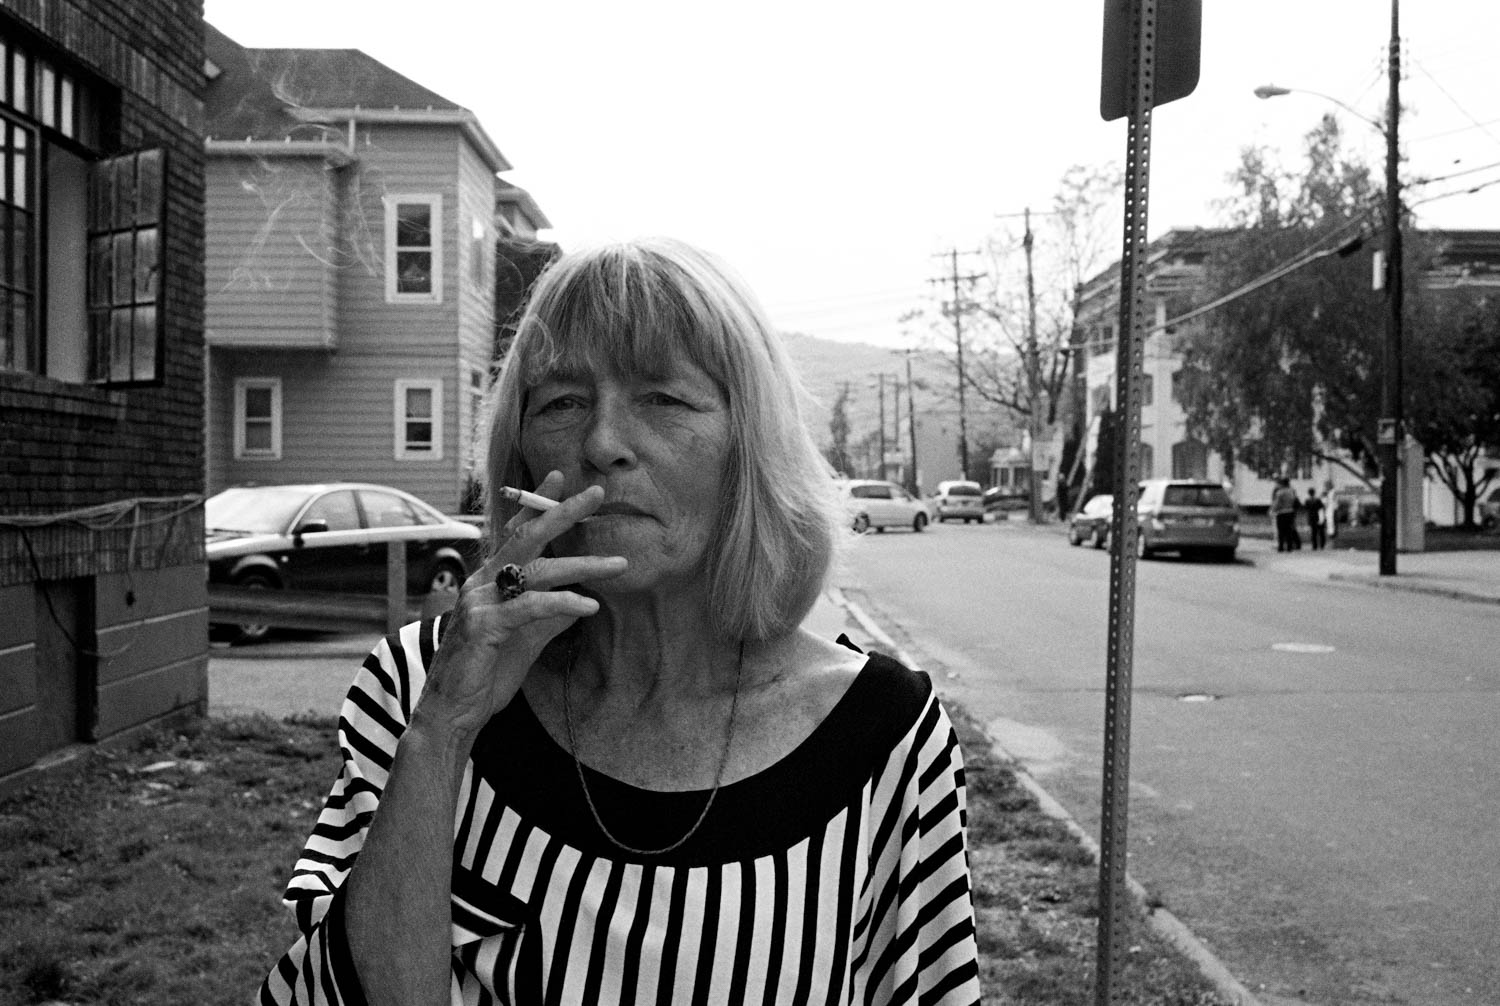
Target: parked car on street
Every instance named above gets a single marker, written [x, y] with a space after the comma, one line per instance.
[1091, 523]
[331, 537]
[1000, 499]
[876, 504]
[959, 499]
[1186, 516]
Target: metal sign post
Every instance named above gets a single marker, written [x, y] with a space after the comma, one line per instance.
[1134, 41]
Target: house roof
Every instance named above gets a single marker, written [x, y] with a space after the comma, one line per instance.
[507, 194]
[296, 95]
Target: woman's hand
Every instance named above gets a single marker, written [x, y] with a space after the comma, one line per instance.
[490, 644]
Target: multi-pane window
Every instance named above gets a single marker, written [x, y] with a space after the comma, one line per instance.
[419, 420]
[125, 268]
[413, 249]
[80, 235]
[19, 348]
[257, 418]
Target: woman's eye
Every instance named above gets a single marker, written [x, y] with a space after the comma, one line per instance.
[663, 398]
[562, 403]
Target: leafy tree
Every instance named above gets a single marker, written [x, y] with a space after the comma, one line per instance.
[1456, 411]
[1293, 367]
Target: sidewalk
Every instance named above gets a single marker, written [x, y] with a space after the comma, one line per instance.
[309, 672]
[1464, 575]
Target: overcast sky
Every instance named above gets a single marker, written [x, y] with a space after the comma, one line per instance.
[830, 150]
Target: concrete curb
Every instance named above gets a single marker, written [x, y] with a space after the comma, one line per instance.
[1163, 922]
[1385, 583]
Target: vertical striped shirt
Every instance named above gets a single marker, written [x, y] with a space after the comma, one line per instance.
[837, 875]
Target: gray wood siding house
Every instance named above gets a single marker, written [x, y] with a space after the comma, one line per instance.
[351, 223]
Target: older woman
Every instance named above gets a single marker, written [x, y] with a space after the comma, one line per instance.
[619, 771]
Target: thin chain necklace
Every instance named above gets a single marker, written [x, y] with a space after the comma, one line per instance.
[718, 775]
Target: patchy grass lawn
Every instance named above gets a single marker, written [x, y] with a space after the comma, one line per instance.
[154, 875]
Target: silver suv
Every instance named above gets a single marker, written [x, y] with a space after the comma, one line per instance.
[1187, 516]
[961, 499]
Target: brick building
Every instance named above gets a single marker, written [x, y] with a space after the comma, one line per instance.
[104, 625]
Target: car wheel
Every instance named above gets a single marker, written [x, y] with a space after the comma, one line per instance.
[1101, 537]
[251, 633]
[861, 524]
[1224, 554]
[446, 579]
[919, 522]
[1073, 538]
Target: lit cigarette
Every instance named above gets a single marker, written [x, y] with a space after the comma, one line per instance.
[526, 499]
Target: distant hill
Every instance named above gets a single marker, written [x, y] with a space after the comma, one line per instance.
[825, 365]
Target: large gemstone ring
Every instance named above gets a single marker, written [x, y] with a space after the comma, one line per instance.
[511, 580]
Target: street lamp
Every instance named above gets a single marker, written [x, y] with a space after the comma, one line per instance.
[1265, 91]
[1391, 392]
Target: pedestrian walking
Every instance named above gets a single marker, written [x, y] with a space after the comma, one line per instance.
[1316, 528]
[1284, 514]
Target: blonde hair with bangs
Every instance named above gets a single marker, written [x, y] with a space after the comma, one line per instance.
[634, 308]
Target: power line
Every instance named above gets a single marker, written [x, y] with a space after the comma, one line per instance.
[958, 336]
[1436, 83]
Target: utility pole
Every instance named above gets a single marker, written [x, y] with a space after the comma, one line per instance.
[1033, 381]
[958, 338]
[896, 414]
[912, 485]
[881, 393]
[1392, 434]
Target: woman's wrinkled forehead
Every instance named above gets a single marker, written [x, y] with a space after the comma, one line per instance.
[635, 323]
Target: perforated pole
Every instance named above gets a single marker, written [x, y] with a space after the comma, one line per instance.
[1114, 895]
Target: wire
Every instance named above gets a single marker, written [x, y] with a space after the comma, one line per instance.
[1305, 257]
[1456, 174]
[1455, 192]
[117, 510]
[1435, 83]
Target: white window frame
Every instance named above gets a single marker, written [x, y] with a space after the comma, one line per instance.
[241, 386]
[403, 450]
[434, 203]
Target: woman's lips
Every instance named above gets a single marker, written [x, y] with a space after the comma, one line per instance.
[620, 510]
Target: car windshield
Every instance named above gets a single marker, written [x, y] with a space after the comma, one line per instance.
[963, 491]
[263, 510]
[1196, 496]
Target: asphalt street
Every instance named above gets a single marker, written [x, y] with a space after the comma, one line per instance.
[1312, 785]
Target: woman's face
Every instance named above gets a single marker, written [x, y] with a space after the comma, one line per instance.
[658, 445]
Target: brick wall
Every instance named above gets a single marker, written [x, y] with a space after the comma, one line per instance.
[101, 528]
[66, 445]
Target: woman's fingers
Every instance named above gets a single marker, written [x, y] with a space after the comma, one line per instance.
[548, 573]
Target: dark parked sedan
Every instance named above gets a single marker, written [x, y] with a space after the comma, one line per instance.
[1091, 524]
[332, 537]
